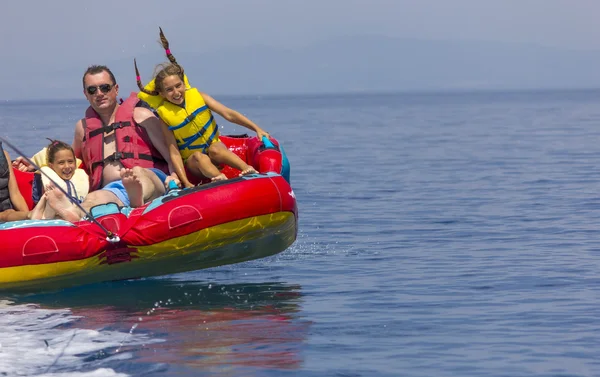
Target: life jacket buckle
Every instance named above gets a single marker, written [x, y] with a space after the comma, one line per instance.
[111, 127]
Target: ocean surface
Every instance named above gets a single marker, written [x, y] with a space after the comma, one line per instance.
[441, 234]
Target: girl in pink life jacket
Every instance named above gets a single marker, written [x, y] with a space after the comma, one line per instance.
[62, 169]
[188, 114]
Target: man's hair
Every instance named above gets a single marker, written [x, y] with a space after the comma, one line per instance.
[95, 69]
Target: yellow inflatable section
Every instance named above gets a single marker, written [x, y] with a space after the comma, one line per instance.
[155, 101]
[261, 236]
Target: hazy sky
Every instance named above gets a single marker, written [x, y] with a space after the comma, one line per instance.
[39, 37]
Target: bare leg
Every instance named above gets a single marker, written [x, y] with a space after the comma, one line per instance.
[12, 215]
[4, 215]
[133, 186]
[200, 165]
[62, 205]
[49, 212]
[41, 210]
[59, 202]
[142, 185]
[219, 153]
[98, 197]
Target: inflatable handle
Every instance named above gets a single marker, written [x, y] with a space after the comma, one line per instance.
[267, 142]
[172, 186]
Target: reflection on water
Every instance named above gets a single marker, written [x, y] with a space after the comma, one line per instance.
[191, 325]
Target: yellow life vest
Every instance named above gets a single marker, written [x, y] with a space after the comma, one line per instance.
[155, 101]
[194, 126]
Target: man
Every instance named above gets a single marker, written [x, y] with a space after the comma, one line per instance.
[123, 147]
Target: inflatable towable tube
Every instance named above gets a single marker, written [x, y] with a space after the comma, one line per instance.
[219, 223]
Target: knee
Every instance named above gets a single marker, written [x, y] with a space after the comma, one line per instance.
[93, 196]
[216, 153]
[138, 170]
[199, 158]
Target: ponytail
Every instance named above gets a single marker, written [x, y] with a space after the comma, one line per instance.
[161, 71]
[138, 79]
[165, 44]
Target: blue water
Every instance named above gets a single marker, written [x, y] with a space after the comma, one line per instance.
[442, 234]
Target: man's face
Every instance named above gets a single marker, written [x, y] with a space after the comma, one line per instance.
[100, 91]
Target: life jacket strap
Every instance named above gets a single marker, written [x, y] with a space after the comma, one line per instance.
[189, 118]
[202, 147]
[117, 156]
[109, 128]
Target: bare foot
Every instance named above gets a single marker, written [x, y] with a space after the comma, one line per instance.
[58, 201]
[49, 212]
[133, 186]
[40, 210]
[248, 170]
[220, 177]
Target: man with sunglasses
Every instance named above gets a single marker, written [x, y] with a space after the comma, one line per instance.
[123, 147]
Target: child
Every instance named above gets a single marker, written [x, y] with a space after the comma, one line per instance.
[187, 113]
[62, 169]
[12, 204]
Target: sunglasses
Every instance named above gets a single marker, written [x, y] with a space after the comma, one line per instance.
[104, 88]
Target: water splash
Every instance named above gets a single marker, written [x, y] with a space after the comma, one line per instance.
[43, 342]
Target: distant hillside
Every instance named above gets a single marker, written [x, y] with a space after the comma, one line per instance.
[350, 64]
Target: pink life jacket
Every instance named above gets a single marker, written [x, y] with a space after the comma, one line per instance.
[133, 146]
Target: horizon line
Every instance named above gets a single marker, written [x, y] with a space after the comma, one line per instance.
[428, 91]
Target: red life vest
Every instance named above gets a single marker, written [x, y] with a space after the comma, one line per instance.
[132, 143]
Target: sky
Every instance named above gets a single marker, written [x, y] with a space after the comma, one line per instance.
[42, 40]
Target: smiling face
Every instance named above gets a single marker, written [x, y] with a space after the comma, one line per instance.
[95, 86]
[63, 164]
[172, 89]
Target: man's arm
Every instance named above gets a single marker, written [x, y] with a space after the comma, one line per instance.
[163, 141]
[78, 139]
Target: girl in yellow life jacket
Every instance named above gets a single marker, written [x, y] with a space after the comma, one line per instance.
[187, 113]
